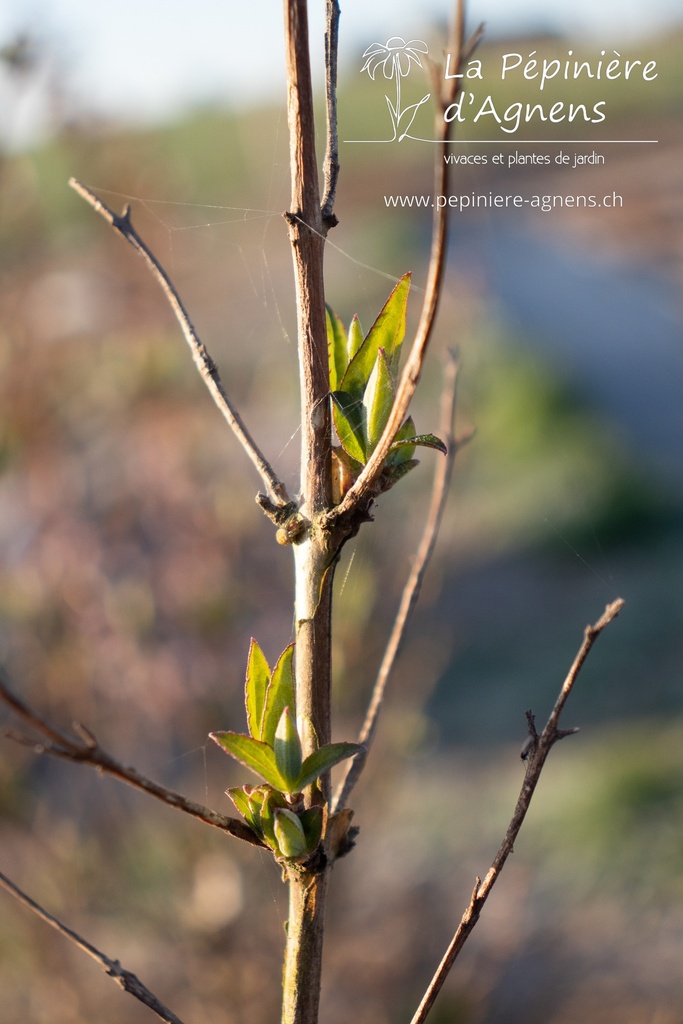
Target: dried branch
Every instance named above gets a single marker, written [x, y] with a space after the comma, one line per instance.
[203, 361]
[363, 488]
[411, 591]
[84, 748]
[535, 753]
[125, 979]
[331, 165]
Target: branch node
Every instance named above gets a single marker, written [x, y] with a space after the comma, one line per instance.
[84, 733]
[122, 221]
[277, 513]
[560, 734]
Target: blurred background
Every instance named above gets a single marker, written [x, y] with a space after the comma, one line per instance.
[135, 566]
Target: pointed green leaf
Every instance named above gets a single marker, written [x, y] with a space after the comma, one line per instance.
[377, 401]
[287, 749]
[312, 824]
[258, 677]
[336, 347]
[241, 801]
[387, 332]
[280, 694]
[258, 798]
[271, 801]
[422, 441]
[348, 422]
[324, 758]
[289, 833]
[402, 453]
[355, 339]
[253, 754]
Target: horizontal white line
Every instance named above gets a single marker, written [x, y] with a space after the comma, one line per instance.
[554, 142]
[516, 142]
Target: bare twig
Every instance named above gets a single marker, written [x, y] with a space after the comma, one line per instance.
[411, 591]
[84, 748]
[363, 488]
[331, 165]
[535, 754]
[203, 361]
[125, 979]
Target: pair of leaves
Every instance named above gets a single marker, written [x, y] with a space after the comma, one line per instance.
[273, 747]
[275, 764]
[363, 374]
[268, 692]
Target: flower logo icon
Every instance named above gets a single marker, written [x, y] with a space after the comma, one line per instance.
[395, 58]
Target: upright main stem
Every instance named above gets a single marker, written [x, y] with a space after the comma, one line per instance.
[313, 561]
[308, 242]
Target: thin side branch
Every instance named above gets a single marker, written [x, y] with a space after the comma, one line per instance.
[535, 753]
[363, 488]
[411, 590]
[83, 747]
[331, 165]
[208, 370]
[125, 979]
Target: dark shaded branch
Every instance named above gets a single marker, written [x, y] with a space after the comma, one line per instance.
[411, 591]
[331, 165]
[535, 753]
[208, 370]
[81, 746]
[125, 979]
[363, 488]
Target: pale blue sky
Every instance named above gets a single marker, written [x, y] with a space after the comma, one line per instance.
[146, 59]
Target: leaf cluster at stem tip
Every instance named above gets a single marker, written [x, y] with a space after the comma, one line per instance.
[363, 378]
[273, 751]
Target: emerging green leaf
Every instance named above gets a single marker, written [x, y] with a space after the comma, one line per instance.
[253, 754]
[324, 758]
[280, 695]
[401, 453]
[422, 441]
[242, 802]
[272, 800]
[312, 823]
[258, 677]
[387, 332]
[348, 414]
[377, 401]
[336, 347]
[355, 339]
[287, 749]
[289, 834]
